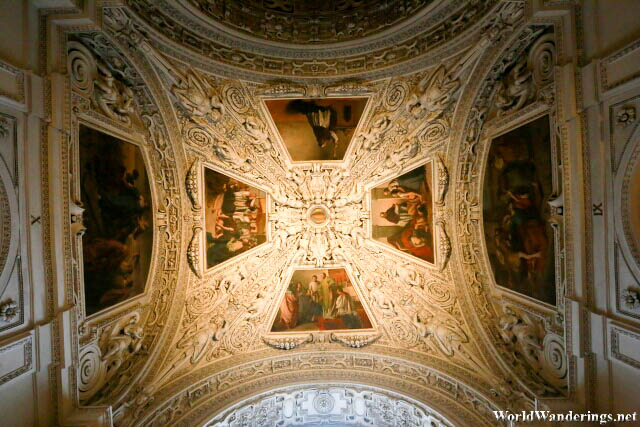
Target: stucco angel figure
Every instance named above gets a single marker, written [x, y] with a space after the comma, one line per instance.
[226, 154]
[435, 94]
[193, 345]
[194, 93]
[447, 335]
[319, 248]
[260, 139]
[407, 275]
[374, 137]
[516, 89]
[121, 341]
[383, 302]
[255, 309]
[112, 97]
[516, 330]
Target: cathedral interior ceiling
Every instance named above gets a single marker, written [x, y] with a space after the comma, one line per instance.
[389, 213]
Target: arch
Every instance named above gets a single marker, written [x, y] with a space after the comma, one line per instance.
[330, 404]
[195, 398]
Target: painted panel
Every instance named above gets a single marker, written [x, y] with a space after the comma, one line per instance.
[316, 129]
[118, 240]
[632, 199]
[319, 300]
[517, 187]
[235, 217]
[402, 213]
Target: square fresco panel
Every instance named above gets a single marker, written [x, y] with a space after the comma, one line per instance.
[117, 243]
[320, 300]
[235, 217]
[402, 213]
[517, 187]
[316, 129]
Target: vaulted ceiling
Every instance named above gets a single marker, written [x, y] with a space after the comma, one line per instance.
[466, 91]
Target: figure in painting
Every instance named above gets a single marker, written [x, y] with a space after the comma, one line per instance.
[344, 308]
[517, 186]
[118, 238]
[303, 309]
[322, 119]
[235, 217]
[325, 292]
[405, 213]
[289, 308]
[316, 129]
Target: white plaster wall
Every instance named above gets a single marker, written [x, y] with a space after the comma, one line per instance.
[610, 79]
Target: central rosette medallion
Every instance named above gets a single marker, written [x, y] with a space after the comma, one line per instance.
[318, 216]
[325, 218]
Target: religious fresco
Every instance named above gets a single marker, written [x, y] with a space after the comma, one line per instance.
[235, 217]
[316, 129]
[517, 186]
[320, 300]
[402, 213]
[632, 207]
[117, 243]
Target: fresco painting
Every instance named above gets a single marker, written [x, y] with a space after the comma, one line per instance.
[319, 300]
[316, 129]
[118, 240]
[235, 217]
[633, 207]
[402, 213]
[517, 187]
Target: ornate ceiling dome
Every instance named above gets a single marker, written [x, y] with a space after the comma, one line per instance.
[309, 21]
[267, 40]
[399, 230]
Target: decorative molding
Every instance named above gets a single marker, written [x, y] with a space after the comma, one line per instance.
[631, 298]
[331, 405]
[16, 96]
[94, 79]
[626, 116]
[444, 245]
[17, 358]
[516, 83]
[292, 23]
[354, 341]
[191, 184]
[12, 289]
[287, 343]
[131, 105]
[443, 180]
[193, 252]
[4, 128]
[608, 67]
[624, 345]
[238, 56]
[8, 311]
[99, 363]
[462, 403]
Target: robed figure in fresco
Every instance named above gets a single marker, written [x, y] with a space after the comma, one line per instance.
[325, 292]
[322, 120]
[518, 185]
[117, 200]
[289, 308]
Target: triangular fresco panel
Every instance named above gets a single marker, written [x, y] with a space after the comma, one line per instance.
[320, 300]
[316, 129]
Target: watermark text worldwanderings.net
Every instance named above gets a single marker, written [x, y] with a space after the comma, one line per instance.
[548, 416]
